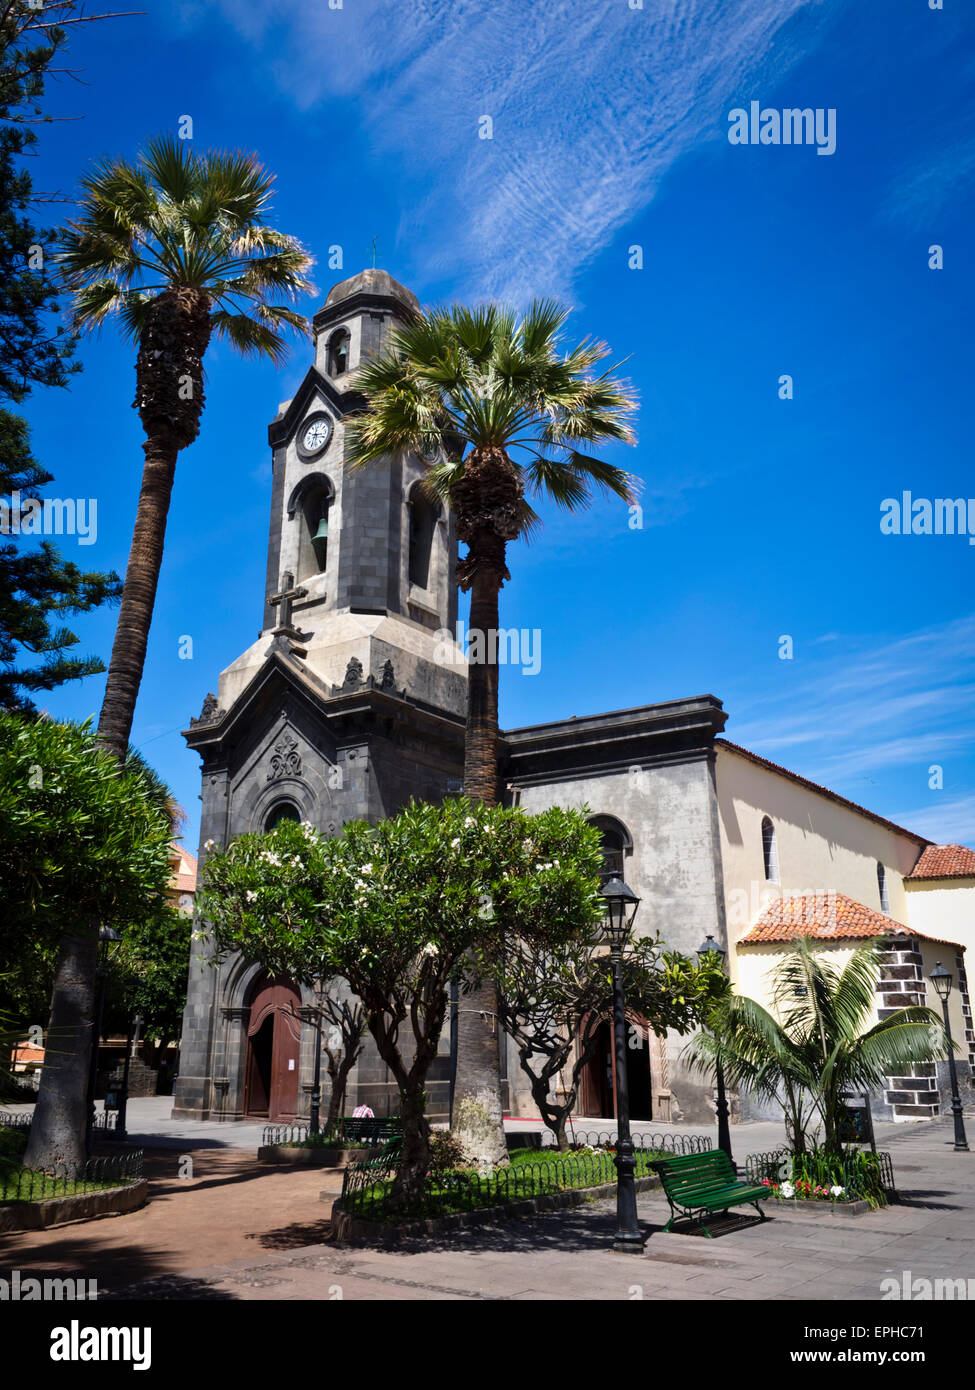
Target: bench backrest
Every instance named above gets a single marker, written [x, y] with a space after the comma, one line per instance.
[371, 1127]
[689, 1173]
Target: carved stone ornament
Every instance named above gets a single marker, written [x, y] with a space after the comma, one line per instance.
[353, 674]
[209, 714]
[285, 760]
[388, 677]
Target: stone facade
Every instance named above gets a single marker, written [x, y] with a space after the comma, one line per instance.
[345, 707]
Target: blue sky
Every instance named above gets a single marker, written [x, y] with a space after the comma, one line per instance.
[761, 515]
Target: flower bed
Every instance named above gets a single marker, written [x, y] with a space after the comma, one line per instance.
[817, 1177]
[806, 1191]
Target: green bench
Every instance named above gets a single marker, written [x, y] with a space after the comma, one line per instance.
[702, 1183]
[371, 1129]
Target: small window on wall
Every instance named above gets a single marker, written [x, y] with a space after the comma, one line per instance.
[423, 521]
[283, 810]
[338, 352]
[882, 885]
[615, 843]
[770, 851]
[313, 543]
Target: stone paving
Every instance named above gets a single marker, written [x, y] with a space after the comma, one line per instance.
[797, 1255]
[236, 1231]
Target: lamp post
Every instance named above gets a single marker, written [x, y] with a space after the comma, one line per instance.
[106, 935]
[315, 1016]
[711, 947]
[621, 904]
[941, 979]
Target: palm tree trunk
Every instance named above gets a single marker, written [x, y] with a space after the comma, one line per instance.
[478, 1116]
[138, 595]
[57, 1134]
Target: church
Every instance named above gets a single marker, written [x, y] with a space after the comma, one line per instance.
[346, 707]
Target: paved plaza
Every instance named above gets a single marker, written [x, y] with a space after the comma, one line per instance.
[233, 1230]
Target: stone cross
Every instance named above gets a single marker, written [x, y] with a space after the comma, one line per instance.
[284, 600]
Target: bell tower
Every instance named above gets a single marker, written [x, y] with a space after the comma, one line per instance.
[360, 561]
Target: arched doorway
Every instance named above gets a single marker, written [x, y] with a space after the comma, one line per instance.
[597, 1088]
[273, 1041]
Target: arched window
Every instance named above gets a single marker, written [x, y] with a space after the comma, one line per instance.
[313, 541]
[616, 844]
[882, 885]
[770, 851]
[281, 810]
[423, 521]
[338, 352]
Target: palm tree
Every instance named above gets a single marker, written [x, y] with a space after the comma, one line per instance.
[505, 411]
[177, 247]
[819, 1047]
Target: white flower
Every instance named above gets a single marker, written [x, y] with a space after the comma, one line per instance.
[251, 896]
[209, 846]
[837, 1191]
[366, 869]
[296, 862]
[468, 822]
[430, 950]
[786, 1190]
[454, 844]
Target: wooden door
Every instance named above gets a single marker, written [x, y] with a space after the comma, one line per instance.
[273, 1041]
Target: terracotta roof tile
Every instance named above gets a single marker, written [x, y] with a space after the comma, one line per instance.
[826, 917]
[945, 861]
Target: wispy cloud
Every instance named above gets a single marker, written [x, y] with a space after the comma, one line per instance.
[945, 822]
[868, 710]
[591, 105]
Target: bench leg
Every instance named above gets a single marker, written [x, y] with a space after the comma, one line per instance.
[758, 1208]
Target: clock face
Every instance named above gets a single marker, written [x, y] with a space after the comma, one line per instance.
[314, 436]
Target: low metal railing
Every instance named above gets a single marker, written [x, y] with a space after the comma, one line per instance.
[32, 1185]
[355, 1130]
[366, 1186]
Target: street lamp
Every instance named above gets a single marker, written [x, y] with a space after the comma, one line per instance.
[711, 947]
[316, 1095]
[941, 979]
[620, 904]
[106, 936]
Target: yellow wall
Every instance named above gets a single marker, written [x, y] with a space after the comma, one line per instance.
[944, 908]
[823, 847]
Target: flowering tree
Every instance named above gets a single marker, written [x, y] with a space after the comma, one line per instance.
[553, 997]
[399, 910]
[81, 842]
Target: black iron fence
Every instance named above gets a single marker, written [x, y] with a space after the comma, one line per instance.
[367, 1186]
[669, 1143]
[30, 1185]
[354, 1129]
[21, 1119]
[15, 1119]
